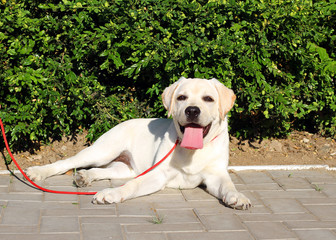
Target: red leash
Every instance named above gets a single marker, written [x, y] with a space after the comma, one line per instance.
[66, 192]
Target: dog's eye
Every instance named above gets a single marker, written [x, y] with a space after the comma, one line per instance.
[208, 99]
[182, 98]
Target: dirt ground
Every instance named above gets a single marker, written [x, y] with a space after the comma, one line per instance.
[300, 148]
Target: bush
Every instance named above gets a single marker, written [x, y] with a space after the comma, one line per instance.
[69, 65]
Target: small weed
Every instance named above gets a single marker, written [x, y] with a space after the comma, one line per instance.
[289, 175]
[318, 188]
[157, 219]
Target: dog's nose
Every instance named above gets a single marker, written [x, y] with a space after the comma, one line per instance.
[192, 113]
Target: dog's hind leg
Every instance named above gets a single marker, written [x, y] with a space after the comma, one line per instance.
[97, 155]
[117, 171]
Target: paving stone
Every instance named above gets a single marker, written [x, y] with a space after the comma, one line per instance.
[254, 177]
[311, 225]
[283, 205]
[197, 194]
[62, 205]
[316, 234]
[59, 225]
[223, 222]
[59, 181]
[78, 212]
[235, 178]
[177, 216]
[325, 179]
[328, 189]
[134, 209]
[295, 211]
[261, 187]
[20, 236]
[164, 227]
[21, 186]
[62, 197]
[116, 220]
[317, 201]
[293, 183]
[4, 180]
[291, 194]
[323, 212]
[299, 173]
[33, 197]
[247, 217]
[234, 235]
[181, 205]
[270, 230]
[212, 208]
[21, 213]
[11, 229]
[146, 236]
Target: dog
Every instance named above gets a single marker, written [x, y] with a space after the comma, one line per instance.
[199, 124]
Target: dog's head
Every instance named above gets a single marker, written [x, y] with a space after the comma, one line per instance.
[198, 106]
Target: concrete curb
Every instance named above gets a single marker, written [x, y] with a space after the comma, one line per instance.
[281, 167]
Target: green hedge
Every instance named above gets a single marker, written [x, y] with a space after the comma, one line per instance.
[68, 65]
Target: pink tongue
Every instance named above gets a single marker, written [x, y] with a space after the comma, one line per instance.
[192, 138]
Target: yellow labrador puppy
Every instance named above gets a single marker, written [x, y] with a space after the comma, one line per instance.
[198, 108]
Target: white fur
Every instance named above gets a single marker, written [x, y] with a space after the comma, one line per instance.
[148, 140]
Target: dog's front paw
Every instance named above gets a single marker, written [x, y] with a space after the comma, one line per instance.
[37, 173]
[82, 178]
[108, 196]
[237, 200]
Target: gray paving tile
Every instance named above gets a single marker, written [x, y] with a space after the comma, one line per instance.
[135, 209]
[315, 234]
[116, 220]
[223, 222]
[20, 236]
[164, 227]
[14, 229]
[146, 236]
[177, 216]
[261, 187]
[293, 183]
[232, 235]
[270, 230]
[62, 197]
[197, 194]
[21, 213]
[317, 201]
[5, 180]
[283, 205]
[247, 217]
[311, 225]
[328, 189]
[78, 212]
[293, 211]
[101, 231]
[323, 212]
[59, 181]
[36, 197]
[59, 225]
[291, 194]
[255, 177]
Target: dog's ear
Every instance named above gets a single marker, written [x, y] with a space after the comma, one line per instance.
[168, 96]
[226, 98]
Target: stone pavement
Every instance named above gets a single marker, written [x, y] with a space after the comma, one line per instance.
[286, 205]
